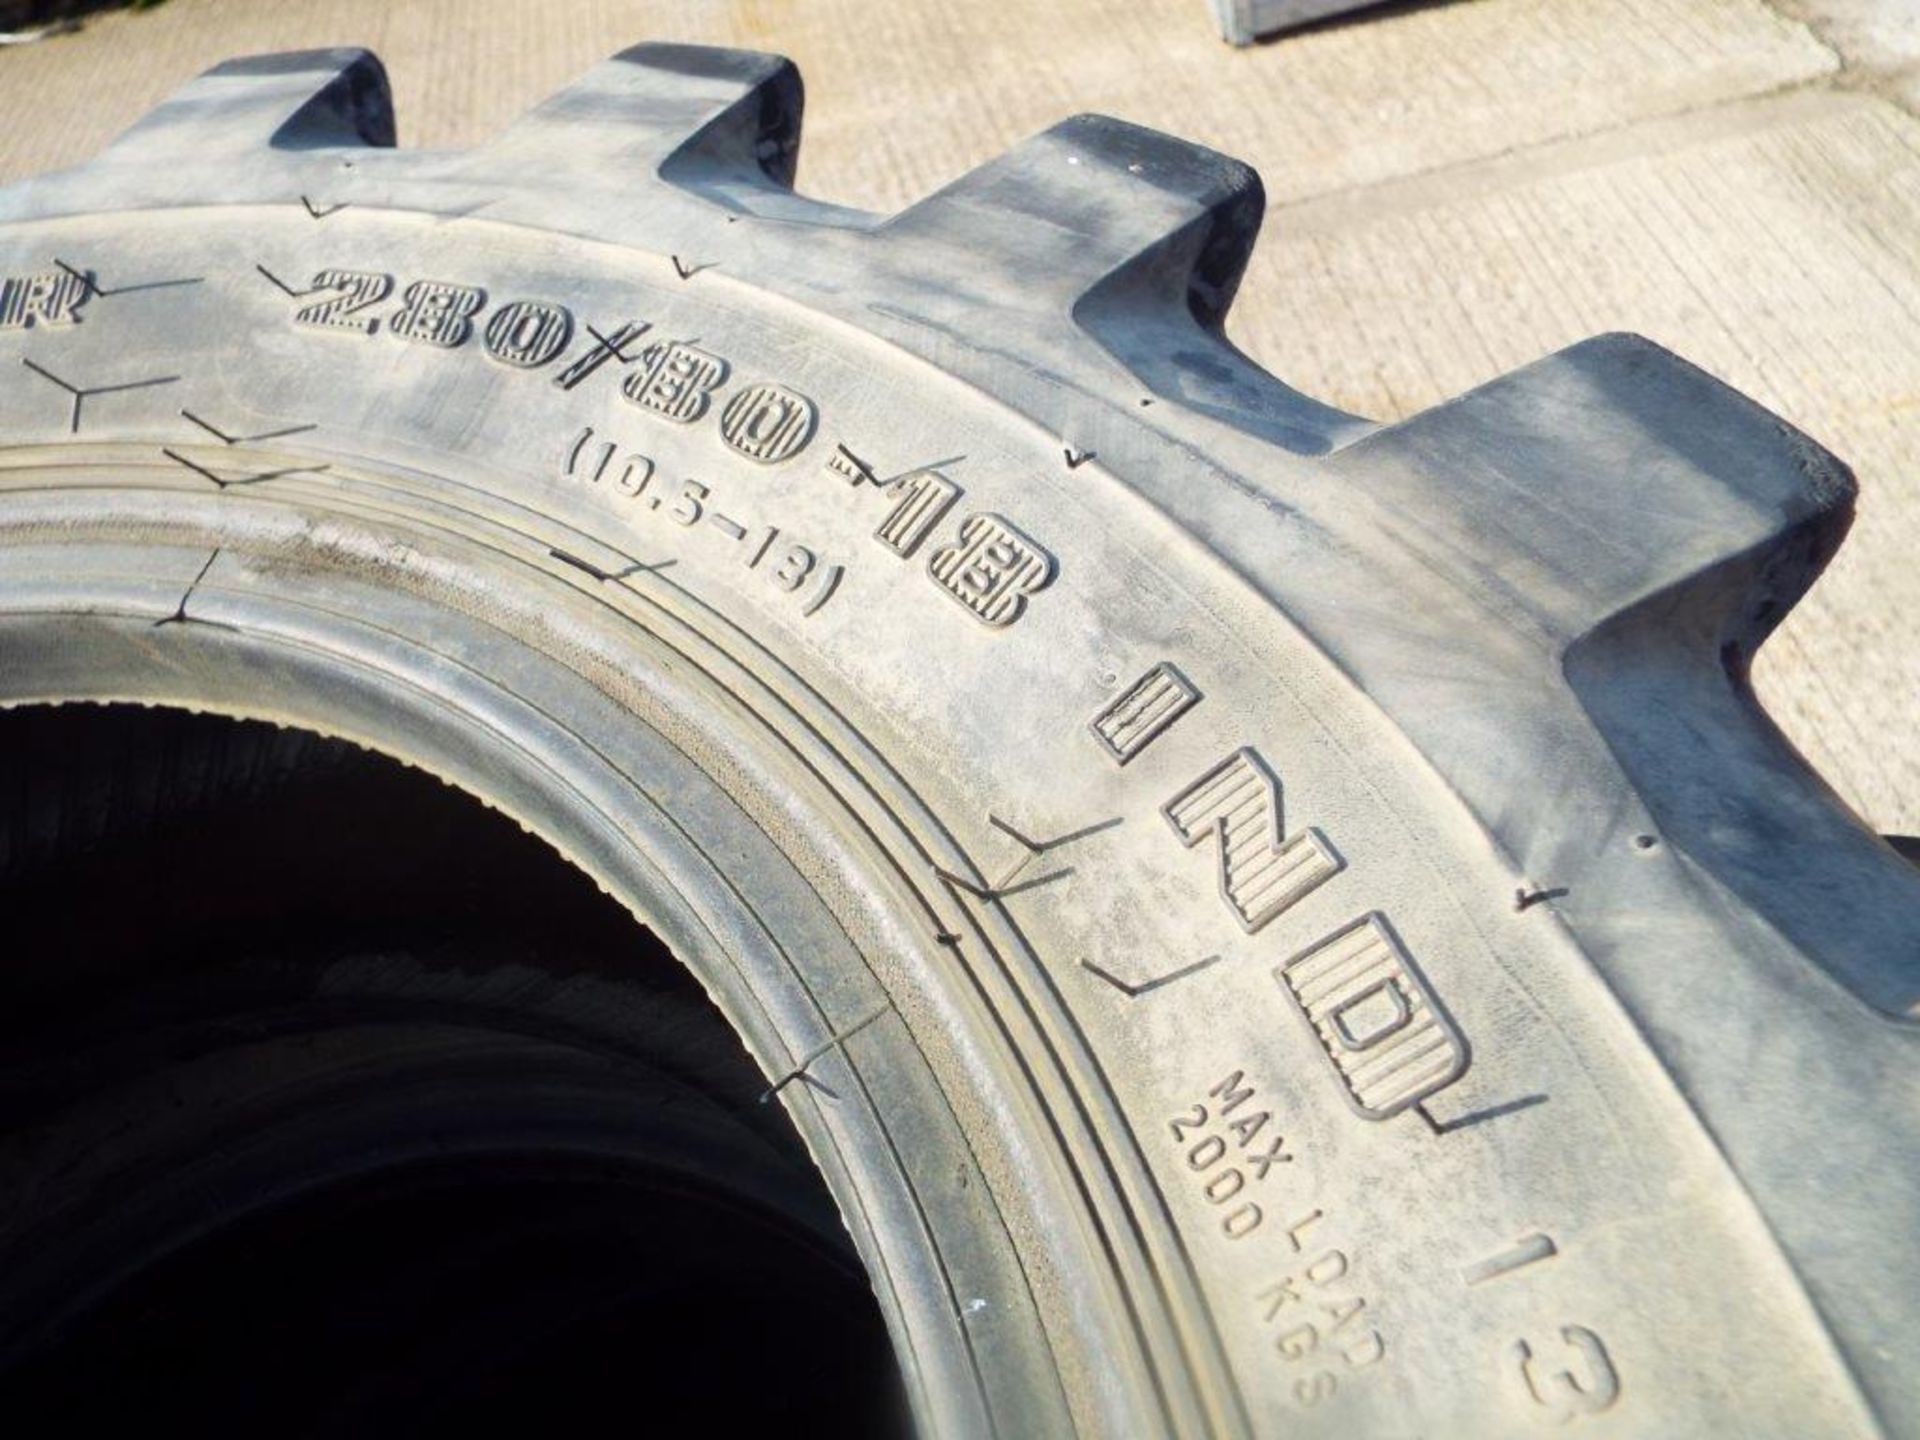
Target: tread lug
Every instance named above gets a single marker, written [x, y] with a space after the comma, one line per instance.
[1095, 202]
[1613, 471]
[298, 100]
[697, 116]
[258, 128]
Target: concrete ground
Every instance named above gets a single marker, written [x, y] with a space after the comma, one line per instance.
[1456, 188]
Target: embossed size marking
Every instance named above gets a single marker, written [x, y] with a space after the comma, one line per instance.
[1381, 1026]
[992, 569]
[1261, 874]
[920, 503]
[1238, 1140]
[526, 334]
[1527, 1250]
[768, 423]
[787, 565]
[1144, 711]
[1391, 1043]
[843, 464]
[1585, 1382]
[438, 312]
[603, 349]
[1325, 1332]
[51, 297]
[674, 380]
[355, 292]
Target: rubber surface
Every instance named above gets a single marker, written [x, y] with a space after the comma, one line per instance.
[1287, 925]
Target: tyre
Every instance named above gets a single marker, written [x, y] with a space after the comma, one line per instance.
[1266, 923]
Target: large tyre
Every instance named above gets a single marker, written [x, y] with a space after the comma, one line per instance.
[1291, 925]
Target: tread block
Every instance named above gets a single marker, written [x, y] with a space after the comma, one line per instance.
[1613, 471]
[1095, 200]
[685, 112]
[300, 100]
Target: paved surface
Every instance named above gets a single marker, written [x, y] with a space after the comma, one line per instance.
[1456, 189]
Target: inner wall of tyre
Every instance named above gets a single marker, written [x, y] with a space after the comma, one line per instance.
[313, 639]
[335, 1103]
[884, 611]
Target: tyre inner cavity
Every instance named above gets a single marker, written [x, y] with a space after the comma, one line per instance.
[332, 1102]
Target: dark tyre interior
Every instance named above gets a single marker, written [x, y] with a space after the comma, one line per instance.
[332, 1102]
